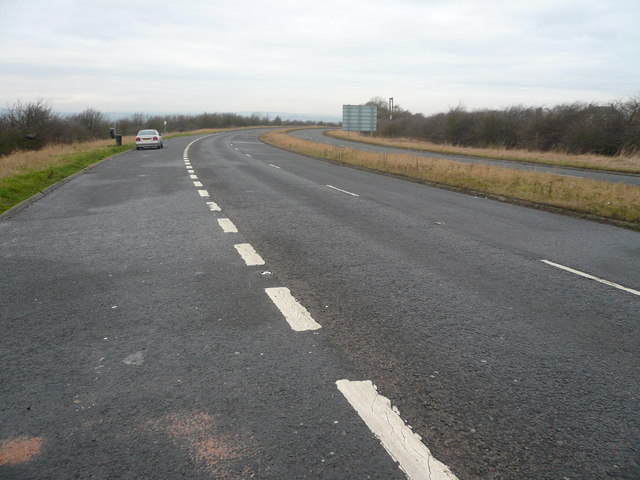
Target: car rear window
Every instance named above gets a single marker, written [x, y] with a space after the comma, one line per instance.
[147, 132]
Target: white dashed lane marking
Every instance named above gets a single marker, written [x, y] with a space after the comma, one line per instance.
[404, 446]
[249, 255]
[343, 191]
[227, 225]
[401, 443]
[592, 277]
[295, 314]
[213, 206]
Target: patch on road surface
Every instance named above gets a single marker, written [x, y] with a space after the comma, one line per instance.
[19, 449]
[219, 455]
[134, 359]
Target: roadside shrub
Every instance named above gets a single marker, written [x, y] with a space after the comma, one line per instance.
[33, 125]
[603, 129]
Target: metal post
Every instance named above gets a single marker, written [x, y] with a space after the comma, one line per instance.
[391, 108]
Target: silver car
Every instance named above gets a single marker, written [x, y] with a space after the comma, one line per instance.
[148, 139]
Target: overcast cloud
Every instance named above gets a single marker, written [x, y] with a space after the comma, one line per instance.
[310, 57]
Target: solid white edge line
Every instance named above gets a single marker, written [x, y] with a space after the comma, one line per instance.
[404, 446]
[227, 225]
[343, 191]
[295, 314]
[592, 277]
[248, 254]
[275, 166]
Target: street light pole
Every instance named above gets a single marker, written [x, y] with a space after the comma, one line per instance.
[391, 108]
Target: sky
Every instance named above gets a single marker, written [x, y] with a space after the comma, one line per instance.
[311, 57]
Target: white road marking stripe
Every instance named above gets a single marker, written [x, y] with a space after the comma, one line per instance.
[185, 153]
[227, 225]
[203, 193]
[193, 177]
[404, 446]
[249, 255]
[190, 171]
[197, 184]
[591, 277]
[296, 315]
[274, 166]
[248, 155]
[213, 206]
[343, 191]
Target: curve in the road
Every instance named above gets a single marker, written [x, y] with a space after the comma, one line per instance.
[318, 135]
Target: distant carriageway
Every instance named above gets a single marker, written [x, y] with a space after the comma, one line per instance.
[318, 135]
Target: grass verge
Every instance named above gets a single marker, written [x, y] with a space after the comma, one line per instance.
[25, 174]
[616, 202]
[620, 163]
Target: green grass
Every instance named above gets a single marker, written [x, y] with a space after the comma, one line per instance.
[17, 188]
[24, 174]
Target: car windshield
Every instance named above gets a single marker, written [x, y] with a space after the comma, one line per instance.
[148, 132]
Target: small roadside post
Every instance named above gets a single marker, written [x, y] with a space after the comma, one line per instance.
[117, 136]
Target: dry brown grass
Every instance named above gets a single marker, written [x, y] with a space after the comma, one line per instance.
[605, 199]
[29, 160]
[203, 131]
[620, 163]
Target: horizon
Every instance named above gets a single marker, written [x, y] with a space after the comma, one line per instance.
[429, 55]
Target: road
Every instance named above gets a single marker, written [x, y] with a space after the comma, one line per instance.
[139, 343]
[317, 135]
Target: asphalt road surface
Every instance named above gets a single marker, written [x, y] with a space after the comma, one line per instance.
[147, 331]
[317, 135]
